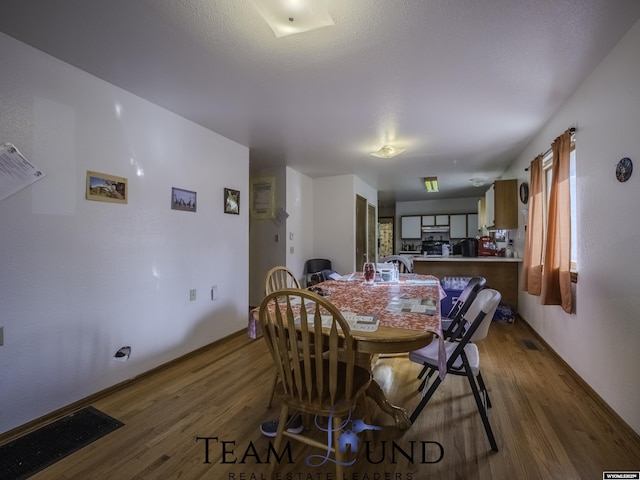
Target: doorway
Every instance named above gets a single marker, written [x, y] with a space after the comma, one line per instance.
[385, 237]
[361, 232]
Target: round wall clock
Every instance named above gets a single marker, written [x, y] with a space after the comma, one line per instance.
[524, 192]
[624, 169]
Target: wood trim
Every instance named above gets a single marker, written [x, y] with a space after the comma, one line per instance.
[28, 427]
[604, 405]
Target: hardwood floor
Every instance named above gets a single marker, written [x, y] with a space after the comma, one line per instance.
[546, 424]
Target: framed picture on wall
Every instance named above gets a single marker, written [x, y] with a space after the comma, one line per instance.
[262, 197]
[184, 200]
[106, 188]
[231, 201]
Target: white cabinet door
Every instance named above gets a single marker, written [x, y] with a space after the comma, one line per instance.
[472, 224]
[411, 227]
[490, 207]
[428, 220]
[458, 226]
[442, 219]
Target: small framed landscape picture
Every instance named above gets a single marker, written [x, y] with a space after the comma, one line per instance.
[184, 200]
[106, 188]
[231, 201]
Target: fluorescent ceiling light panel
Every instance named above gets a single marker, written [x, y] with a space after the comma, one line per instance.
[286, 17]
[388, 152]
[431, 184]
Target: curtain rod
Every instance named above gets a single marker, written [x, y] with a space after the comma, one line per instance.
[572, 130]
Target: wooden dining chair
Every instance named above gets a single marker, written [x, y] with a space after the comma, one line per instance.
[462, 358]
[278, 277]
[314, 353]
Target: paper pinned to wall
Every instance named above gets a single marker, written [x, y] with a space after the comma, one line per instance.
[16, 172]
[280, 217]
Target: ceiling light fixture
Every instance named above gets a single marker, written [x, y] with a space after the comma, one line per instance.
[477, 182]
[431, 184]
[388, 152]
[286, 17]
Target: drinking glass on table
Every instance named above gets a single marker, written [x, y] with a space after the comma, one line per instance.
[369, 273]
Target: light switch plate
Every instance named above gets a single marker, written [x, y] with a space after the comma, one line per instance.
[192, 295]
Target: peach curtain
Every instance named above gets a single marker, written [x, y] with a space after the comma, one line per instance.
[556, 275]
[534, 239]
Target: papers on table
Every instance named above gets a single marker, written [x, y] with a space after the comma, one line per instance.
[427, 306]
[428, 281]
[357, 322]
[344, 278]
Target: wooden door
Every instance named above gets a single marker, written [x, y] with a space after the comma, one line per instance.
[361, 232]
[371, 232]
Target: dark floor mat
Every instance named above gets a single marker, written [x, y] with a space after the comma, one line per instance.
[31, 453]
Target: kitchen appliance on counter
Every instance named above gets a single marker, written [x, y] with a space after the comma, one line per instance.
[469, 247]
[432, 248]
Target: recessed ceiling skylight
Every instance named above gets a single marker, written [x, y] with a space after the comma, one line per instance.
[286, 17]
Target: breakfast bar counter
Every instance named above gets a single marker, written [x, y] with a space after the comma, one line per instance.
[501, 272]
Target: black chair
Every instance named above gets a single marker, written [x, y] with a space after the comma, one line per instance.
[316, 270]
[462, 358]
[451, 321]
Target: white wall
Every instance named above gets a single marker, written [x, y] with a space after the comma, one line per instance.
[80, 279]
[334, 213]
[600, 341]
[299, 236]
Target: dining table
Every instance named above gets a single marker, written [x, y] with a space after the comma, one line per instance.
[386, 317]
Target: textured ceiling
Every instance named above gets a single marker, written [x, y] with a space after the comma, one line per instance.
[462, 85]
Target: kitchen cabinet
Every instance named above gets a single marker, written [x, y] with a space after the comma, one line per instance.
[428, 220]
[489, 201]
[411, 227]
[502, 205]
[458, 226]
[442, 220]
[472, 225]
[482, 213]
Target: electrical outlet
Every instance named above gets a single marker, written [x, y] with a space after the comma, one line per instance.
[192, 295]
[214, 292]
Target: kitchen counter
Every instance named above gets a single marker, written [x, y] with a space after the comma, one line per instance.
[457, 258]
[501, 272]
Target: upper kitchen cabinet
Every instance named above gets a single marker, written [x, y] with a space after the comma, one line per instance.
[442, 220]
[501, 205]
[411, 227]
[458, 226]
[482, 212]
[472, 225]
[428, 220]
[463, 225]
